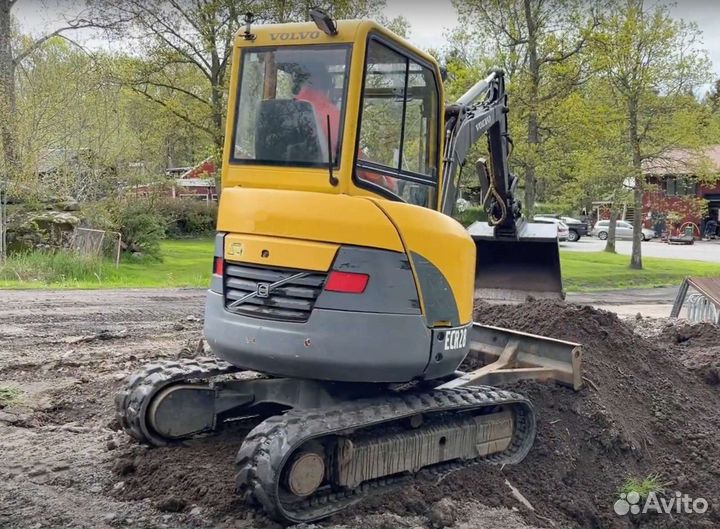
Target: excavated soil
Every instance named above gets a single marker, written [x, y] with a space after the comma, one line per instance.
[644, 411]
[649, 406]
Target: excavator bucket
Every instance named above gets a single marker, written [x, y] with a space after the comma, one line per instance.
[509, 269]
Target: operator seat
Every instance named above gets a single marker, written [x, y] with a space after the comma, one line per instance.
[287, 130]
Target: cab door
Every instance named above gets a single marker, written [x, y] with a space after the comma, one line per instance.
[398, 152]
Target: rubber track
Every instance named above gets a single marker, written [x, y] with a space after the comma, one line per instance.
[266, 448]
[132, 401]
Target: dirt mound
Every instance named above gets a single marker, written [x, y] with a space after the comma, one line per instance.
[704, 362]
[693, 334]
[642, 412]
[181, 478]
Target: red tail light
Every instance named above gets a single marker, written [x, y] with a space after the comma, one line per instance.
[347, 282]
[219, 266]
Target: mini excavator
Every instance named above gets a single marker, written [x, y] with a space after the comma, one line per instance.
[342, 291]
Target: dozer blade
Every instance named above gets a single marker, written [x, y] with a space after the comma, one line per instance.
[511, 269]
[511, 356]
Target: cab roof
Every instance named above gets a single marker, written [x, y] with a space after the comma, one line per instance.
[305, 33]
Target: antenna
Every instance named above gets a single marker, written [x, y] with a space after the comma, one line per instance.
[333, 179]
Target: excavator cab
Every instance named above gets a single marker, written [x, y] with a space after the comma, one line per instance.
[316, 112]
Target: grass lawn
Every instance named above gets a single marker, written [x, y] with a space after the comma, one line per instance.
[187, 263]
[604, 271]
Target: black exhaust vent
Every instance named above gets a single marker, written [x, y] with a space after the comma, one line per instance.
[272, 293]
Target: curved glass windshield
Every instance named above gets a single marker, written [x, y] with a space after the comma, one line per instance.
[291, 102]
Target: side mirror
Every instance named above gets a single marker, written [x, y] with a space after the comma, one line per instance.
[443, 73]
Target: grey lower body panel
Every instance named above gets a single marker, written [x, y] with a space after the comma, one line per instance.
[343, 346]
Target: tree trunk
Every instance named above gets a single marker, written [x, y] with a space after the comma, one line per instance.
[7, 91]
[636, 257]
[533, 137]
[216, 100]
[610, 244]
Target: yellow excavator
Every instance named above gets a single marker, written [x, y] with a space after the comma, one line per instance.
[342, 291]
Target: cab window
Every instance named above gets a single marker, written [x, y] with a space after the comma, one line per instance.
[291, 105]
[398, 141]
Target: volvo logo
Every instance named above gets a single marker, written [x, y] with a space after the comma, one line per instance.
[263, 290]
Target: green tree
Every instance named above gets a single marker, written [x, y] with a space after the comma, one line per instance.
[184, 48]
[651, 64]
[13, 51]
[539, 44]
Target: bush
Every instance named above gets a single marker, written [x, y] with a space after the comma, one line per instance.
[61, 266]
[137, 219]
[187, 218]
[142, 227]
[470, 215]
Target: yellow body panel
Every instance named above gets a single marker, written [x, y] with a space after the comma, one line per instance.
[278, 251]
[442, 241]
[306, 216]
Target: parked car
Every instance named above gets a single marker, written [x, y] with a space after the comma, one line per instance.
[623, 230]
[576, 228]
[562, 229]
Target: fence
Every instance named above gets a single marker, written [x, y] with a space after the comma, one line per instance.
[101, 243]
[700, 308]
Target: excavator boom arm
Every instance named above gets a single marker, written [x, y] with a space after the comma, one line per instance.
[469, 121]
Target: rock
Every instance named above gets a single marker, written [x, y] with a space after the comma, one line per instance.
[71, 427]
[192, 318]
[178, 327]
[111, 444]
[9, 418]
[69, 204]
[37, 471]
[109, 517]
[171, 504]
[443, 513]
[123, 467]
[196, 511]
[119, 486]
[40, 230]
[96, 489]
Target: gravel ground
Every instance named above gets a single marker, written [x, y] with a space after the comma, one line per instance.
[63, 463]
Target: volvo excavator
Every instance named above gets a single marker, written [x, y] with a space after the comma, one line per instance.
[341, 300]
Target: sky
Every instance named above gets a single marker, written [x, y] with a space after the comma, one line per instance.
[430, 20]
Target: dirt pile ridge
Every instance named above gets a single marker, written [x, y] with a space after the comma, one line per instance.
[642, 412]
